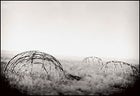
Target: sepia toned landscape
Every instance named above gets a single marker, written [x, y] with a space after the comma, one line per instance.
[69, 48]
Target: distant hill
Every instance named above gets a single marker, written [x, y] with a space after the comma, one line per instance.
[75, 58]
[8, 53]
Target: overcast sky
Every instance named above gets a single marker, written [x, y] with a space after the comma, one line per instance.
[90, 28]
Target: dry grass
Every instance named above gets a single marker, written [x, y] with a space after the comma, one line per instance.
[93, 81]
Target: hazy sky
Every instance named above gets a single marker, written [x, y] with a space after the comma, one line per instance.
[73, 28]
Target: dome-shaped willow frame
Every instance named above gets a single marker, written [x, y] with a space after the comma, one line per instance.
[40, 58]
[92, 59]
[134, 70]
[31, 58]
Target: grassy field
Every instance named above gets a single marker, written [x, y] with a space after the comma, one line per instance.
[94, 80]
